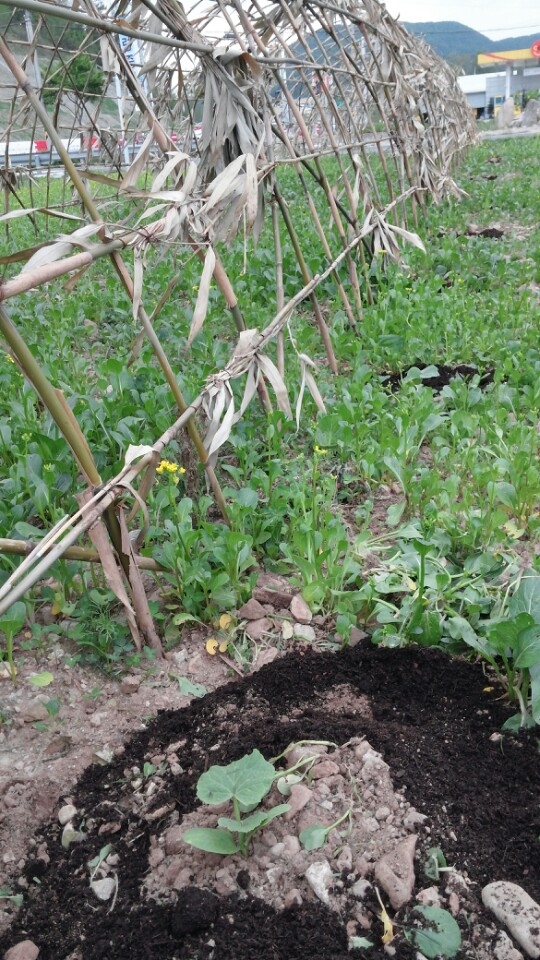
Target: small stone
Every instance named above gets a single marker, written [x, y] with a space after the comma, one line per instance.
[66, 813]
[395, 872]
[320, 878]
[303, 631]
[300, 609]
[104, 888]
[265, 656]
[256, 629]
[504, 949]
[356, 636]
[25, 950]
[361, 888]
[413, 819]
[293, 898]
[274, 589]
[287, 630]
[344, 861]
[517, 911]
[174, 841]
[323, 769]
[299, 798]
[182, 879]
[31, 711]
[382, 813]
[291, 845]
[252, 610]
[130, 685]
[429, 897]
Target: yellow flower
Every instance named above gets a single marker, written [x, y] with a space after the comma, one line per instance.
[320, 451]
[166, 466]
[10, 358]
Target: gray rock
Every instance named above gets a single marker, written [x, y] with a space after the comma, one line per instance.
[298, 799]
[505, 115]
[504, 949]
[514, 908]
[174, 841]
[33, 710]
[257, 629]
[271, 588]
[252, 610]
[303, 631]
[66, 813]
[394, 872]
[25, 950]
[300, 610]
[531, 114]
[320, 878]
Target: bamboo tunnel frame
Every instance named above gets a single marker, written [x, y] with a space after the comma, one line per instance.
[373, 56]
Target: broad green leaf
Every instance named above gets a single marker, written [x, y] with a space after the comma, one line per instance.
[314, 837]
[439, 937]
[41, 679]
[429, 630]
[180, 618]
[190, 689]
[526, 598]
[254, 821]
[211, 841]
[535, 692]
[13, 619]
[248, 780]
[395, 512]
[504, 636]
[527, 647]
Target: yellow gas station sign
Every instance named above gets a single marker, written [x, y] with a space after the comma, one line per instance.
[509, 56]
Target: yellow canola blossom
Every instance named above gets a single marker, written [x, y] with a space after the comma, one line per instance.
[167, 466]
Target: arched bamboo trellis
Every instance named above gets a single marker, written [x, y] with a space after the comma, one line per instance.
[190, 114]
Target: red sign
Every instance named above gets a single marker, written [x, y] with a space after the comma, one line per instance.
[535, 49]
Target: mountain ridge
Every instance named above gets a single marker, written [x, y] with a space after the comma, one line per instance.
[459, 44]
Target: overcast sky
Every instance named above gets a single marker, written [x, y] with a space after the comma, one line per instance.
[496, 18]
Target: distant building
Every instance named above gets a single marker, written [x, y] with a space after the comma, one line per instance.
[486, 91]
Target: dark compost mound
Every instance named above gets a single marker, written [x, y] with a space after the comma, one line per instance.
[433, 721]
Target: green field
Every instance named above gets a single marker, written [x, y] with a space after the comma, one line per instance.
[406, 509]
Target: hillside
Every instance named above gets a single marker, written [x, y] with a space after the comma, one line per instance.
[460, 44]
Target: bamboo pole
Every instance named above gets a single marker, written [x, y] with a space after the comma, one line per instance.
[119, 265]
[23, 548]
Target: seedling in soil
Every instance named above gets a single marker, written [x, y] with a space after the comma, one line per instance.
[314, 837]
[245, 782]
[10, 624]
[435, 932]
[15, 898]
[436, 864]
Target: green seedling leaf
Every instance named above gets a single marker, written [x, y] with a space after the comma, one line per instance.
[314, 837]
[98, 860]
[13, 619]
[69, 836]
[439, 935]
[254, 821]
[53, 707]
[16, 898]
[248, 780]
[211, 841]
[285, 783]
[148, 769]
[435, 862]
[180, 618]
[190, 689]
[359, 943]
[41, 679]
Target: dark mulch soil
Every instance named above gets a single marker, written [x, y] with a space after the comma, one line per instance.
[433, 721]
[444, 376]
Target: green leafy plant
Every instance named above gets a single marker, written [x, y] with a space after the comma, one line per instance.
[315, 836]
[245, 783]
[510, 644]
[11, 622]
[433, 931]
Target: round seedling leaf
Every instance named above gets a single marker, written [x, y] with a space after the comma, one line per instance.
[314, 837]
[439, 935]
[41, 679]
[248, 780]
[256, 820]
[211, 841]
